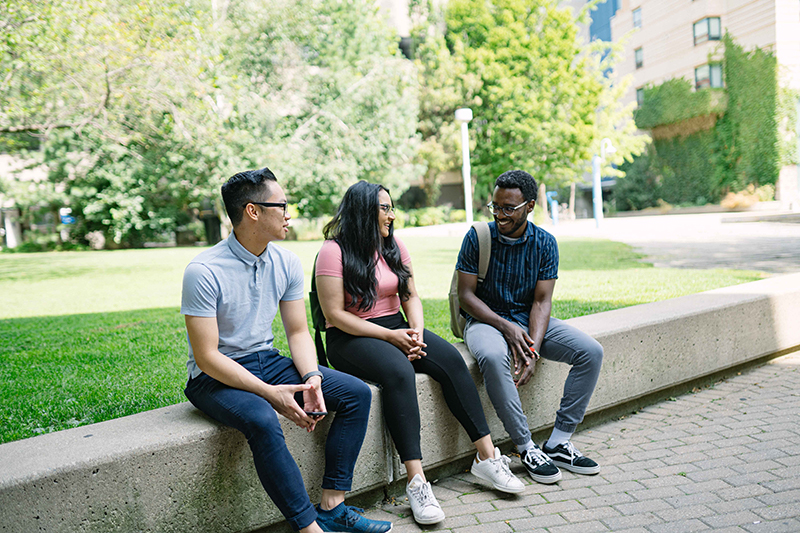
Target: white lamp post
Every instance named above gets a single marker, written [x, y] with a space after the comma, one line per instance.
[464, 115]
[597, 191]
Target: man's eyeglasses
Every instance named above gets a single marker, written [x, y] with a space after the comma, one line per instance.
[386, 208]
[282, 205]
[507, 211]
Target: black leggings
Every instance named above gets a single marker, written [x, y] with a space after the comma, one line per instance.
[382, 363]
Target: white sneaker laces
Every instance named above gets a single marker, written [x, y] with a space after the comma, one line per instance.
[573, 451]
[501, 467]
[423, 494]
[537, 456]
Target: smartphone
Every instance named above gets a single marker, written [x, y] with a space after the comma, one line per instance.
[316, 413]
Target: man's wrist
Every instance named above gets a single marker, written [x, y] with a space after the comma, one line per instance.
[313, 373]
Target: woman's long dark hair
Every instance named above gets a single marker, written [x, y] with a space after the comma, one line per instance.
[355, 229]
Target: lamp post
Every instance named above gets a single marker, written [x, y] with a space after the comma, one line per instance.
[464, 115]
[597, 191]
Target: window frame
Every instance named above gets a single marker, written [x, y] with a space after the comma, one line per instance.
[705, 23]
[634, 13]
[706, 82]
[639, 97]
[638, 57]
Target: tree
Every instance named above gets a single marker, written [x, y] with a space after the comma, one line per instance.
[328, 96]
[143, 107]
[540, 97]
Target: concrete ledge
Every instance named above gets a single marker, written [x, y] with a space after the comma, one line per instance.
[172, 469]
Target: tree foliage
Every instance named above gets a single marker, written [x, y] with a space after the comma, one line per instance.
[539, 94]
[144, 107]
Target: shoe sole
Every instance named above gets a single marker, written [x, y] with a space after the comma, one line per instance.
[507, 490]
[585, 470]
[546, 480]
[428, 522]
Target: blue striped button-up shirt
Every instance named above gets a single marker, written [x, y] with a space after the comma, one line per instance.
[514, 270]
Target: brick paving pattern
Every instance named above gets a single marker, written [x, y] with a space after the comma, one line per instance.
[725, 458]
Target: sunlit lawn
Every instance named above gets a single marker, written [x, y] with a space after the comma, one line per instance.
[90, 336]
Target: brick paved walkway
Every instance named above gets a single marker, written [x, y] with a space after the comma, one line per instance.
[724, 459]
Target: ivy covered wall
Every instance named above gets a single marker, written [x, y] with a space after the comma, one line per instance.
[712, 141]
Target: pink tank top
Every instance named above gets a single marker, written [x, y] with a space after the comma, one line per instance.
[329, 263]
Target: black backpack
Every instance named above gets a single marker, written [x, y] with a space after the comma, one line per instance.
[317, 317]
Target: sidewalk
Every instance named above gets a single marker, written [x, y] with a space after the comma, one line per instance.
[724, 459]
[714, 240]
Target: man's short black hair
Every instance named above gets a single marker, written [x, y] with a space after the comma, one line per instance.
[519, 179]
[247, 186]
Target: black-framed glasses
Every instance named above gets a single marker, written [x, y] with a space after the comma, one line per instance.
[282, 205]
[386, 208]
[507, 211]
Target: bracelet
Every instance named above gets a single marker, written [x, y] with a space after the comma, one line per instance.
[312, 374]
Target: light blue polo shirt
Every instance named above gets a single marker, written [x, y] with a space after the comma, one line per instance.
[242, 291]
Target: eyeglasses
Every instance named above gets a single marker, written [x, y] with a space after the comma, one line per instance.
[282, 205]
[386, 208]
[507, 211]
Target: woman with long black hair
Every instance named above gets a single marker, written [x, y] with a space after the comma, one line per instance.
[364, 276]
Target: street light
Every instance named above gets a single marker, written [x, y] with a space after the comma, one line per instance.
[597, 191]
[464, 115]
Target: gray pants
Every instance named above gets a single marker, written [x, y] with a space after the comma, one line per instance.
[563, 343]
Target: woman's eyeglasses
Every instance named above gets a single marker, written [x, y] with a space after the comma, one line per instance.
[386, 208]
[282, 205]
[507, 211]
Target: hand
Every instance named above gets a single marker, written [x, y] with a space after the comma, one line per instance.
[406, 341]
[281, 397]
[528, 369]
[417, 351]
[519, 343]
[314, 401]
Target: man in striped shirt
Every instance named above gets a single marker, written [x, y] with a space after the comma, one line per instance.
[509, 324]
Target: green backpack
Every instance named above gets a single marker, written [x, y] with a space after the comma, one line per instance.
[457, 321]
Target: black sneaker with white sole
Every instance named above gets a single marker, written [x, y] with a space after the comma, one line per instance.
[539, 466]
[568, 457]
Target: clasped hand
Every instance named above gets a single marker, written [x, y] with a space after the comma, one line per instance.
[521, 347]
[410, 342]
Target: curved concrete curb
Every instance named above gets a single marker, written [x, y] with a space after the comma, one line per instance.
[172, 469]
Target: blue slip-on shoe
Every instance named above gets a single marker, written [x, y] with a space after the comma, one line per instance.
[346, 519]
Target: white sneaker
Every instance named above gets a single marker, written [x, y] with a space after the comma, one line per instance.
[423, 503]
[496, 472]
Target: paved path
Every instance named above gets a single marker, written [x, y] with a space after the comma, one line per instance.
[723, 459]
[701, 241]
[685, 241]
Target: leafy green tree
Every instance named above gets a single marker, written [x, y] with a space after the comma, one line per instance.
[539, 94]
[144, 107]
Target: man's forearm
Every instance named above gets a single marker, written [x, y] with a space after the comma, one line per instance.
[303, 351]
[538, 322]
[478, 310]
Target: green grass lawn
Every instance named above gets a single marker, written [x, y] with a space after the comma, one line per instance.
[91, 336]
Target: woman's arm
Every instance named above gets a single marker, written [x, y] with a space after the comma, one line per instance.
[331, 299]
[414, 314]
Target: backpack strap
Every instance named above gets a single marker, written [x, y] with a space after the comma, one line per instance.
[484, 248]
[317, 317]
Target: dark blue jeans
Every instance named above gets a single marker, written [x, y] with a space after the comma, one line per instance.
[254, 416]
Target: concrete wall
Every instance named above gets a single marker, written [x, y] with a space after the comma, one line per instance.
[172, 469]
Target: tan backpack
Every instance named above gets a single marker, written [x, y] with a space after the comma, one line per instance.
[457, 321]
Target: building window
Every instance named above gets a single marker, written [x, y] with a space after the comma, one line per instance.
[637, 17]
[640, 97]
[708, 29]
[706, 76]
[638, 56]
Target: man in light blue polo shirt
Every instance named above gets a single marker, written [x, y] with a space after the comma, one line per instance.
[231, 294]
